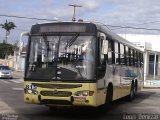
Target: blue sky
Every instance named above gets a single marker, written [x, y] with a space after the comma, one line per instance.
[136, 13]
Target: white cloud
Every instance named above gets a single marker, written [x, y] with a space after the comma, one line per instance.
[90, 4]
[114, 12]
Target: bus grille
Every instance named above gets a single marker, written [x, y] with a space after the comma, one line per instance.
[56, 93]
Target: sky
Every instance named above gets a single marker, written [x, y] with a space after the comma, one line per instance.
[133, 13]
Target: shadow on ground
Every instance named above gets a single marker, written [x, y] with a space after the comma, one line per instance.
[88, 113]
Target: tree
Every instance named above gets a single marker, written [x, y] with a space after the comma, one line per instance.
[8, 26]
[6, 49]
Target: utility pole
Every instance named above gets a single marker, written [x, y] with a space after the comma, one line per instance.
[74, 14]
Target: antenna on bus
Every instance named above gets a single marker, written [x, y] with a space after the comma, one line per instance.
[74, 14]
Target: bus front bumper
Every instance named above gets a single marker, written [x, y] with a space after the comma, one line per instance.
[70, 94]
[61, 101]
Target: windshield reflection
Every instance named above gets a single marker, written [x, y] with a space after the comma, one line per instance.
[62, 57]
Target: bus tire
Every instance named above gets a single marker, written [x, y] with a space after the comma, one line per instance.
[105, 107]
[131, 96]
[109, 96]
[135, 87]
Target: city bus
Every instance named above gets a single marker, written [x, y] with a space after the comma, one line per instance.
[80, 64]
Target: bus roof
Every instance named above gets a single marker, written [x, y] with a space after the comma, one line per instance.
[82, 27]
[115, 37]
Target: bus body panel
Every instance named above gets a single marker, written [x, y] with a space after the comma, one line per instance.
[120, 76]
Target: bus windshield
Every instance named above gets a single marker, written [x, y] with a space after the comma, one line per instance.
[61, 57]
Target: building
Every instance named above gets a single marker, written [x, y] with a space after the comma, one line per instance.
[19, 62]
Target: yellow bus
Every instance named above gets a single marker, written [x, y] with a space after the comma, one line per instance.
[80, 64]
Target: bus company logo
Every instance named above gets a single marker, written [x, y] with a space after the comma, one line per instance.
[55, 91]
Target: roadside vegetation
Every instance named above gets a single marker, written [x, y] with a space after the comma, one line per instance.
[6, 48]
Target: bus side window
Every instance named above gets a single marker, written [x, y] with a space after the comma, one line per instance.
[127, 55]
[122, 57]
[130, 57]
[116, 51]
[132, 61]
[135, 58]
[110, 52]
[141, 60]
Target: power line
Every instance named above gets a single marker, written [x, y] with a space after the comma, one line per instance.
[115, 26]
[130, 27]
[148, 22]
[22, 17]
[20, 29]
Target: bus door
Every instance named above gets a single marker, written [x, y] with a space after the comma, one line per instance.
[103, 50]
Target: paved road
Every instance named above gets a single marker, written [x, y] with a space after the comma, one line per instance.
[147, 104]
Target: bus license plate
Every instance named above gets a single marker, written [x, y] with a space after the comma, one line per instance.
[80, 99]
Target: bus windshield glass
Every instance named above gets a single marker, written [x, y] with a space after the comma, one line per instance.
[61, 57]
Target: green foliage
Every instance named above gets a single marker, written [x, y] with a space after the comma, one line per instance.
[8, 26]
[6, 49]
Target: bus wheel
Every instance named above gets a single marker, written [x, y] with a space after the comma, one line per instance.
[104, 108]
[135, 87]
[132, 93]
[109, 96]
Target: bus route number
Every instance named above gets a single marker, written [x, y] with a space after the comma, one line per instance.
[31, 87]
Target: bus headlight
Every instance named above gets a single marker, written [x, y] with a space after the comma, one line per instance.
[84, 93]
[29, 91]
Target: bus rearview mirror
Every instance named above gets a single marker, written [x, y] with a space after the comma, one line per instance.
[21, 42]
[105, 47]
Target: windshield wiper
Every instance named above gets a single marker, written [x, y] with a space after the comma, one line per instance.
[71, 41]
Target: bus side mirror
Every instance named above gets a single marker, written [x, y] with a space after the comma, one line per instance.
[21, 43]
[105, 47]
